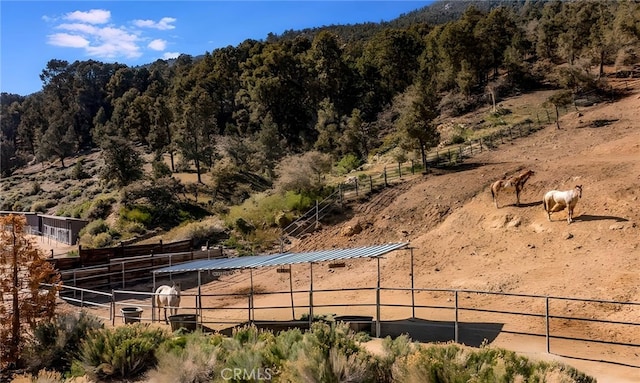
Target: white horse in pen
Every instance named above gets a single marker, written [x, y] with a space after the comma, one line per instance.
[168, 297]
[555, 200]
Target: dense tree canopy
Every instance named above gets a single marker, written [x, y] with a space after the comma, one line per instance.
[323, 89]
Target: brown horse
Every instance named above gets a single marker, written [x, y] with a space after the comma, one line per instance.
[515, 183]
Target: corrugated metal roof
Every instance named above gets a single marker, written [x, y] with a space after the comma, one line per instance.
[256, 261]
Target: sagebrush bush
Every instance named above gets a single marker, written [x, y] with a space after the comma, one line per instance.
[54, 344]
[95, 227]
[452, 362]
[42, 206]
[136, 214]
[328, 353]
[121, 352]
[188, 358]
[100, 208]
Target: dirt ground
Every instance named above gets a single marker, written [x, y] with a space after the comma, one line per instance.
[460, 240]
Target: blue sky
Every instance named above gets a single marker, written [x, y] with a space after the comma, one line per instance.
[140, 32]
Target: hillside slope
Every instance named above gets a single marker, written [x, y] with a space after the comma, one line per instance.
[462, 241]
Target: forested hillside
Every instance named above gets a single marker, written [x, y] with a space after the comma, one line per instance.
[321, 99]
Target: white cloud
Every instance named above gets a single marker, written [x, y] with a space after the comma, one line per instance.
[114, 42]
[163, 24]
[77, 27]
[157, 45]
[94, 16]
[83, 30]
[67, 40]
[170, 55]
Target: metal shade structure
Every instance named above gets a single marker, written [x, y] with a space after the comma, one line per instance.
[288, 259]
[282, 259]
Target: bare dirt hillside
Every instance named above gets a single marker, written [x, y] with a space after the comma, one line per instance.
[462, 241]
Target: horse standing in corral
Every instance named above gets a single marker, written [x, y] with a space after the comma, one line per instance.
[168, 297]
[515, 183]
[556, 200]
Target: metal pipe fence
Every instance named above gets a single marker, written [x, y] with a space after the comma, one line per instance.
[549, 317]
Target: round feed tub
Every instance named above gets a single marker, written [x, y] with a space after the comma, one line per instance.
[187, 322]
[131, 314]
[356, 323]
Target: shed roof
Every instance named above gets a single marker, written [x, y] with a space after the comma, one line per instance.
[256, 261]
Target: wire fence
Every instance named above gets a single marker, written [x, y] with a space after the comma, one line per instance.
[360, 185]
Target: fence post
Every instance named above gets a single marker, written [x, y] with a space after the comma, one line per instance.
[480, 144]
[318, 210]
[123, 277]
[356, 184]
[399, 170]
[378, 301]
[546, 316]
[413, 291]
[413, 171]
[310, 293]
[370, 183]
[384, 172]
[455, 325]
[112, 308]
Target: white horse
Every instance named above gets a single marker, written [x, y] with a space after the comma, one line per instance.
[555, 200]
[168, 297]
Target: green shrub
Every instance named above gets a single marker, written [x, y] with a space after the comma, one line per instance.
[189, 358]
[54, 344]
[243, 226]
[96, 241]
[95, 227]
[128, 227]
[451, 362]
[121, 352]
[136, 214]
[42, 206]
[77, 172]
[34, 188]
[102, 240]
[160, 169]
[347, 164]
[328, 353]
[100, 208]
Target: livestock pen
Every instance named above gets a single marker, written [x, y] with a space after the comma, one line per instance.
[580, 328]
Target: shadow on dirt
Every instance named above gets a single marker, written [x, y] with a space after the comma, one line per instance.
[587, 217]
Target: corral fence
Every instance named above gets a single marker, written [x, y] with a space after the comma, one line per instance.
[130, 271]
[102, 256]
[473, 317]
